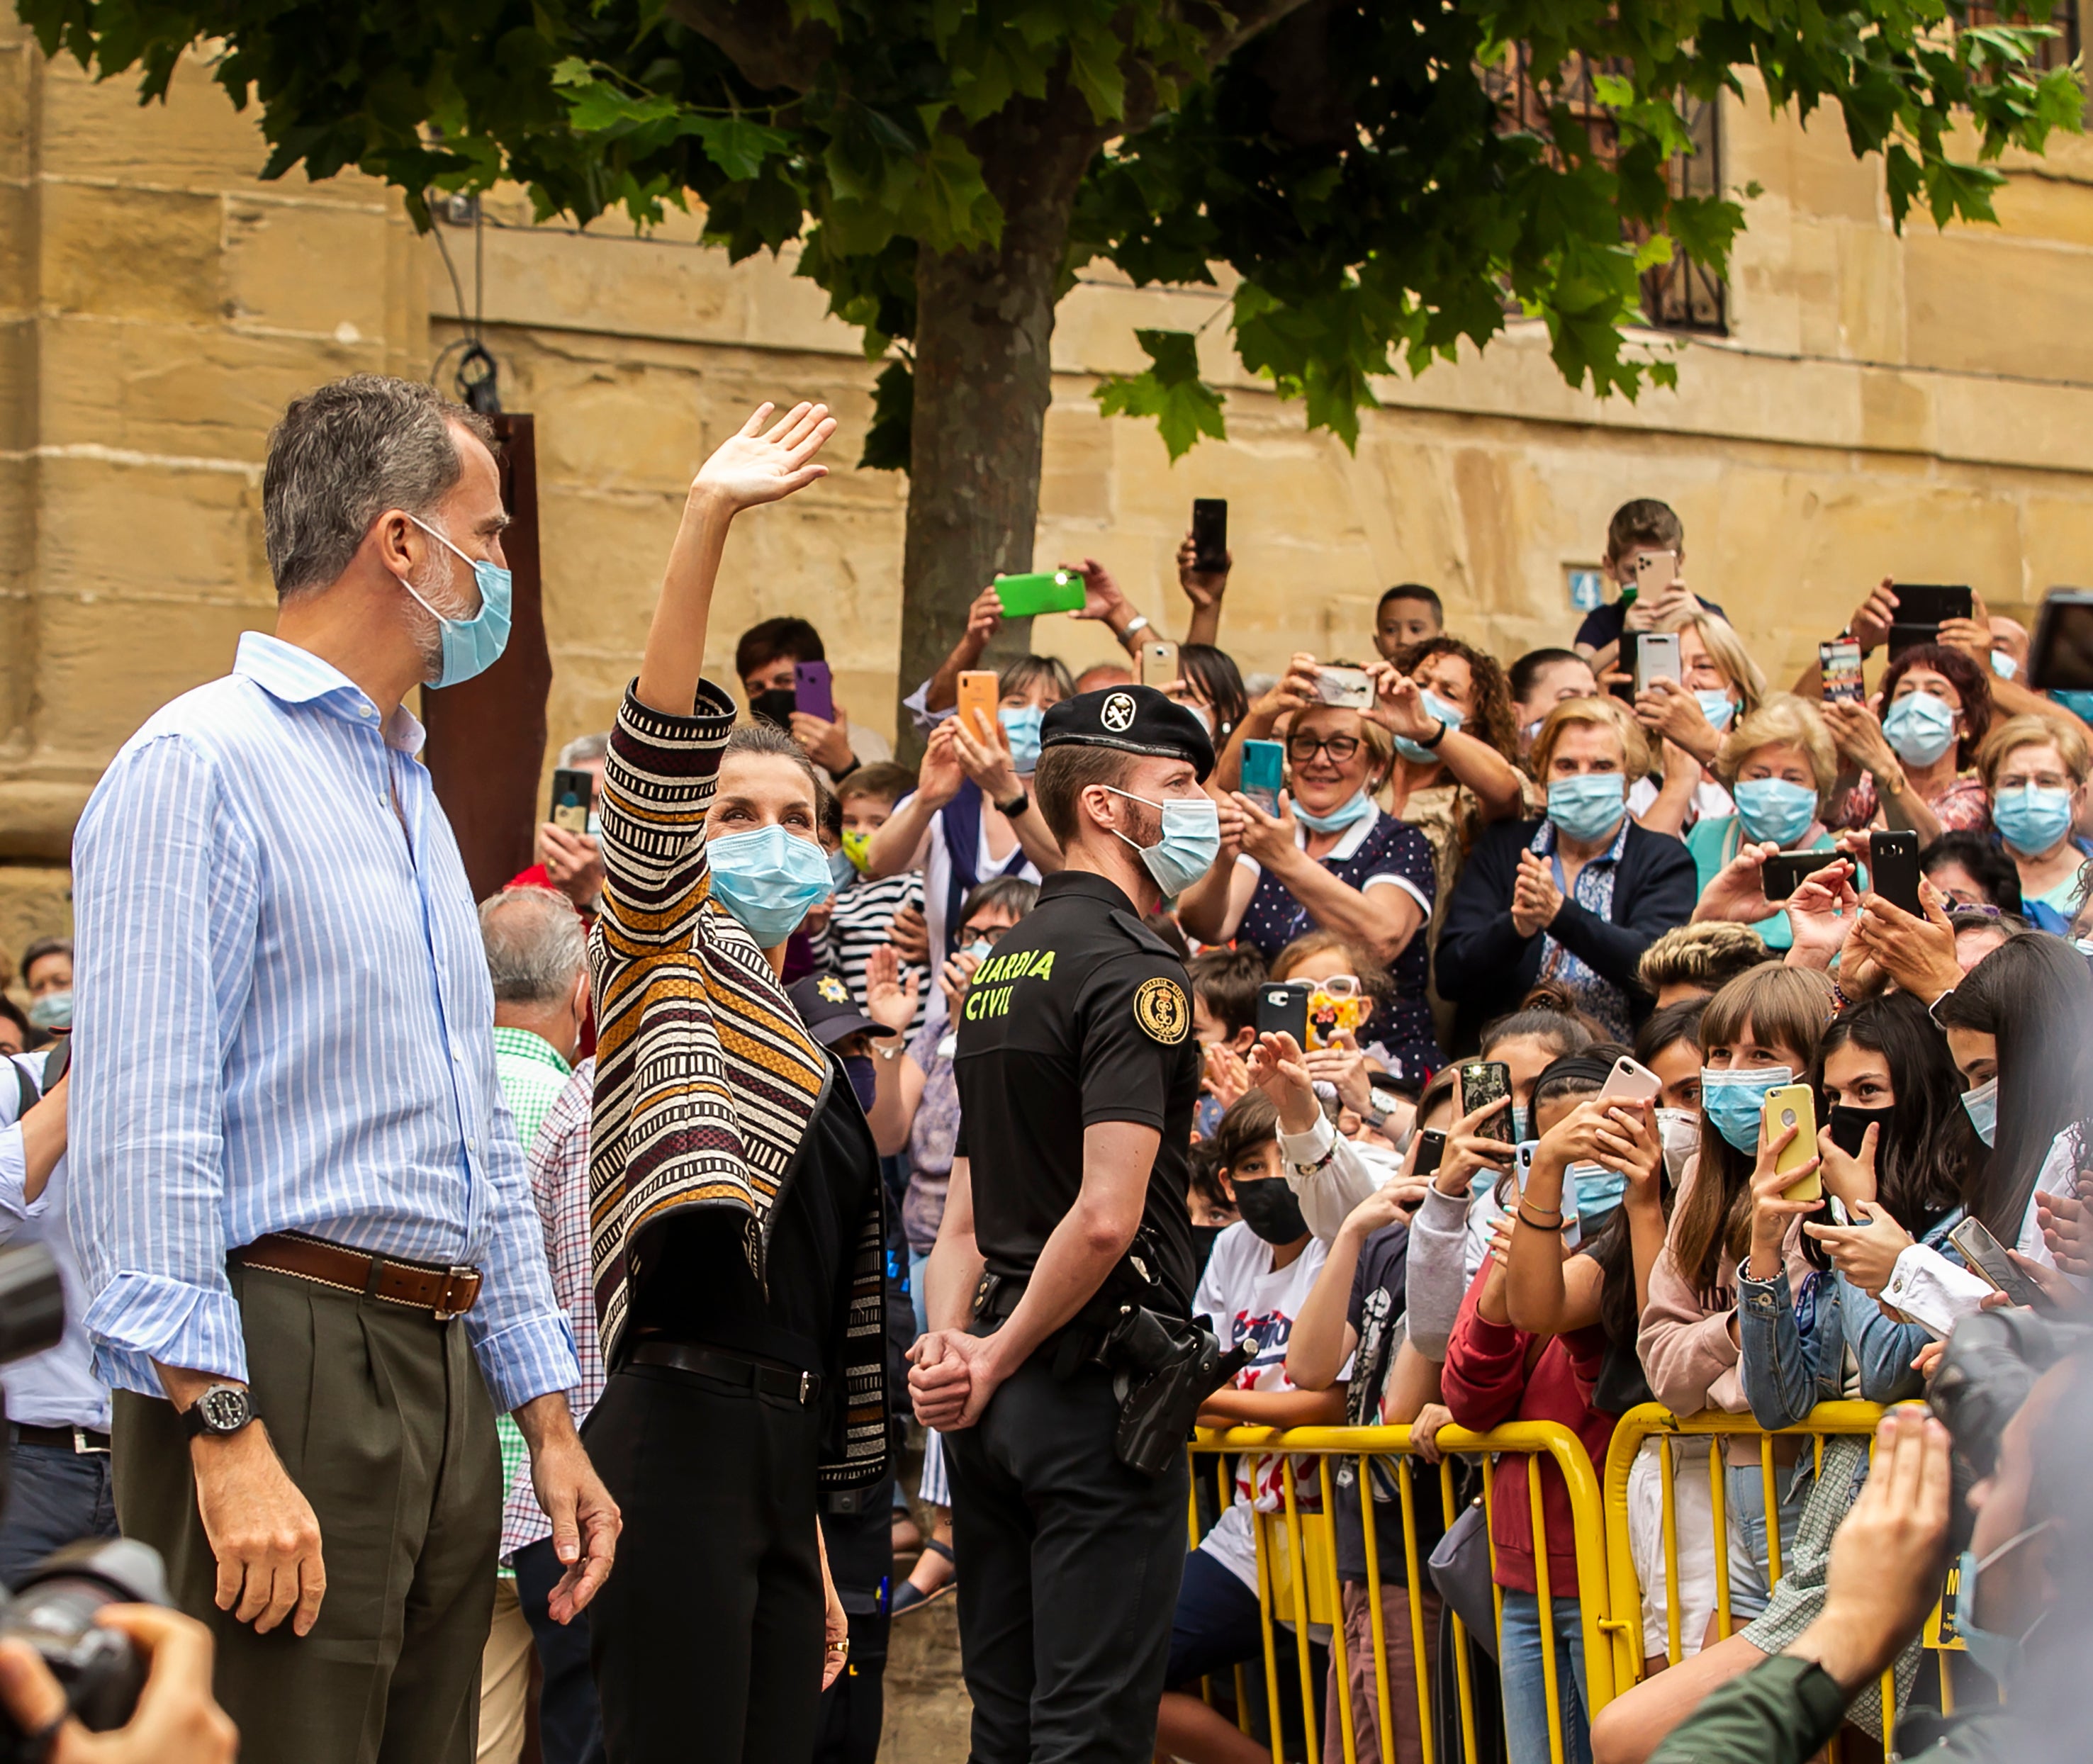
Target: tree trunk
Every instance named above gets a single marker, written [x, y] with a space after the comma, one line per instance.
[984, 330]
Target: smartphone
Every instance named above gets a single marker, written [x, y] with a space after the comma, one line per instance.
[1893, 869]
[1655, 572]
[1347, 687]
[572, 794]
[1628, 661]
[1043, 591]
[1484, 1081]
[1839, 666]
[1210, 533]
[811, 692]
[1282, 1009]
[979, 697]
[1922, 608]
[1159, 663]
[1264, 774]
[1632, 1082]
[2061, 657]
[1988, 1260]
[1794, 1105]
[1430, 1151]
[1784, 871]
[1657, 658]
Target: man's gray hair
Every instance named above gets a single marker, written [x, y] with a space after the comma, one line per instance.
[342, 456]
[534, 945]
[583, 750]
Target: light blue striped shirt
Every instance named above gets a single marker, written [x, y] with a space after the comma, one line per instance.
[283, 1021]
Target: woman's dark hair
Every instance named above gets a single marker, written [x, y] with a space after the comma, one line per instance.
[1525, 672]
[1782, 1007]
[1548, 1014]
[1984, 864]
[1252, 1120]
[1491, 721]
[1929, 1157]
[2035, 993]
[756, 736]
[1680, 1022]
[1971, 684]
[1220, 683]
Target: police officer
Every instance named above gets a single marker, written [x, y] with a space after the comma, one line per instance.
[1077, 1075]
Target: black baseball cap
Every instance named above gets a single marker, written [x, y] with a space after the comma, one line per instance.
[826, 1007]
[1134, 719]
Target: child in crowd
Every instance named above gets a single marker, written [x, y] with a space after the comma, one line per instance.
[1651, 597]
[865, 911]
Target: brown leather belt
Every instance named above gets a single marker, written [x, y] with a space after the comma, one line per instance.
[444, 1292]
[80, 1440]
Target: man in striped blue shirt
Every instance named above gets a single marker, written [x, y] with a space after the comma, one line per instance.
[305, 1228]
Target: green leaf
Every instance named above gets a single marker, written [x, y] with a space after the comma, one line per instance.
[736, 145]
[1168, 389]
[888, 442]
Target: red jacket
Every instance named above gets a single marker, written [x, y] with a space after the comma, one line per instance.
[1486, 1383]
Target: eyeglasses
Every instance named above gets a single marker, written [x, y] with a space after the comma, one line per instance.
[1971, 910]
[1304, 747]
[981, 934]
[1338, 985]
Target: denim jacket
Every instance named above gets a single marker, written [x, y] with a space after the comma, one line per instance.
[1792, 1350]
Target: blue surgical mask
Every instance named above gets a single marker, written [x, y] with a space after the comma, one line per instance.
[769, 879]
[1599, 1192]
[1919, 728]
[1191, 840]
[1022, 726]
[1356, 807]
[52, 1011]
[842, 871]
[1434, 706]
[2003, 665]
[595, 824]
[1716, 705]
[1521, 1123]
[1773, 808]
[471, 646]
[1735, 1101]
[1981, 1106]
[1995, 1654]
[2032, 818]
[1589, 806]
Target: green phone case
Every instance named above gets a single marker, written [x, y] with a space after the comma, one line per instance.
[1046, 591]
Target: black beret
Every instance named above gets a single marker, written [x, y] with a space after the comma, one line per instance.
[1134, 719]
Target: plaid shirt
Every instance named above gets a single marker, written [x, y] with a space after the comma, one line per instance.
[559, 1182]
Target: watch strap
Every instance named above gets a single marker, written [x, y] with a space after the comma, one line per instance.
[1016, 806]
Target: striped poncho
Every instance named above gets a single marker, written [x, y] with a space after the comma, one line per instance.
[706, 1081]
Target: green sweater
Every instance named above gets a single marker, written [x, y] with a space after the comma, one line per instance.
[1787, 1711]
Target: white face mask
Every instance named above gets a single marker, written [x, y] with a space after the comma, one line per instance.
[1678, 1132]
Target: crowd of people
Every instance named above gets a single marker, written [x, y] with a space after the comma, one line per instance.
[805, 1091]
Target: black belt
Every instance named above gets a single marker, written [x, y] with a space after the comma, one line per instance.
[78, 1440]
[801, 1387]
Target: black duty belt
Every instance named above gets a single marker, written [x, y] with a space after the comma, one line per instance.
[802, 1388]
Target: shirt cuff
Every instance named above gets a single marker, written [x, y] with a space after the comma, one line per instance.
[1305, 1150]
[138, 1318]
[1403, 882]
[1930, 1289]
[528, 1359]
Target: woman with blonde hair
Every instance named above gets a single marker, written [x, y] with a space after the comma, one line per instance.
[1781, 768]
[2036, 771]
[1717, 683]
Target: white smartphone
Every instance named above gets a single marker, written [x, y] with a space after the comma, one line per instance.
[1657, 658]
[1629, 1081]
[1348, 688]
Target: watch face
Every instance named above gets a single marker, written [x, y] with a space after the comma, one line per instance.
[223, 1410]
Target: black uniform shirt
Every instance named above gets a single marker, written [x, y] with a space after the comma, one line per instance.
[1080, 1015]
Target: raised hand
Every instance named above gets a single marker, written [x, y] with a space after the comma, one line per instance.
[890, 994]
[1737, 890]
[1873, 618]
[757, 465]
[1266, 838]
[1101, 592]
[1278, 1068]
[1203, 587]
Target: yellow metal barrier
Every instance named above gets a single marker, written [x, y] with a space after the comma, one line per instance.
[1296, 1550]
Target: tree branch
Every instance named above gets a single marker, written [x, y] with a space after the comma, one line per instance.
[761, 38]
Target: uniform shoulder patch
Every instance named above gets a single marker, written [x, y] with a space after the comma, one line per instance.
[1160, 1008]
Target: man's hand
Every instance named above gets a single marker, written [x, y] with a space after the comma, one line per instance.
[176, 1722]
[1424, 1431]
[585, 1521]
[1888, 1558]
[574, 862]
[827, 744]
[261, 1529]
[756, 465]
[835, 1620]
[952, 1375]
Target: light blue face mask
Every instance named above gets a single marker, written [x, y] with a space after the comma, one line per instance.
[52, 1011]
[1599, 1192]
[1353, 807]
[1022, 726]
[1434, 706]
[842, 873]
[1716, 706]
[471, 646]
[1589, 806]
[2032, 818]
[1919, 728]
[1521, 1123]
[1995, 1654]
[2003, 665]
[1981, 1106]
[1773, 808]
[1735, 1101]
[769, 879]
[1191, 840]
[595, 824]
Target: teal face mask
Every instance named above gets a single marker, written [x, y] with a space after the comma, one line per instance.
[1353, 809]
[1981, 1106]
[1996, 1654]
[2032, 818]
[471, 646]
[1919, 728]
[1434, 706]
[1022, 726]
[1191, 840]
[769, 879]
[1773, 808]
[1589, 806]
[1716, 706]
[1735, 1101]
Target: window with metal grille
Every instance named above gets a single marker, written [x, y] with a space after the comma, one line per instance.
[2057, 51]
[1682, 295]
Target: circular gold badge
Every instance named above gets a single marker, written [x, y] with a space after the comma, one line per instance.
[1160, 1009]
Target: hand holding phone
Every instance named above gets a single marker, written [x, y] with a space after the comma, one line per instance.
[1158, 664]
[1483, 1082]
[812, 690]
[1264, 774]
[573, 791]
[1794, 1105]
[980, 697]
[1988, 1260]
[1348, 688]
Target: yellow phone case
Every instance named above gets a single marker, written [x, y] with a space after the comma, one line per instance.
[1794, 1104]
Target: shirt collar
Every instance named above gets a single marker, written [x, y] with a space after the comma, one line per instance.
[297, 676]
[526, 1045]
[1087, 881]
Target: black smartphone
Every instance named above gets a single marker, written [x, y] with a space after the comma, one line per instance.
[1922, 608]
[1483, 1082]
[2061, 659]
[1624, 689]
[1210, 533]
[1893, 869]
[1784, 871]
[572, 794]
[1282, 1009]
[1430, 1151]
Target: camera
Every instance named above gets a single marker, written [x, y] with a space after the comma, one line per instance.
[54, 1607]
[1993, 1361]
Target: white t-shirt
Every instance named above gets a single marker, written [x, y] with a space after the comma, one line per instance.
[937, 881]
[1249, 1300]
